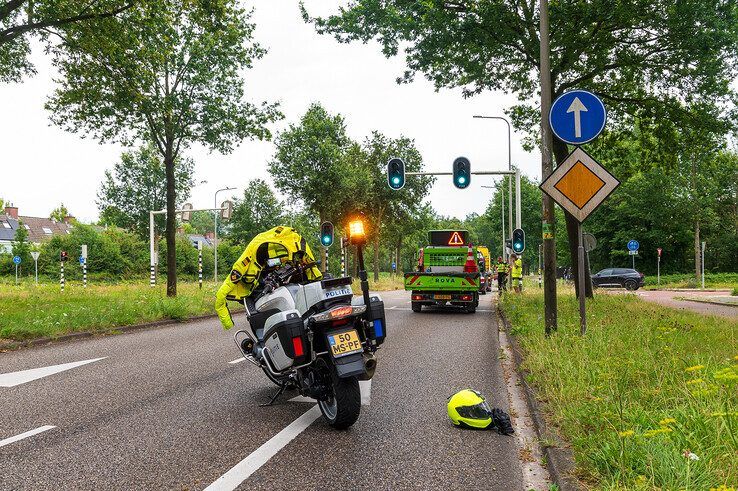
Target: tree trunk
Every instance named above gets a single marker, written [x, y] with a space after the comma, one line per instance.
[697, 253]
[376, 258]
[171, 228]
[561, 152]
[398, 250]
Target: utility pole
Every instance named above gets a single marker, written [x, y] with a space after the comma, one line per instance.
[549, 245]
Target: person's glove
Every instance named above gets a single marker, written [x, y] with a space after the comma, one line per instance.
[502, 421]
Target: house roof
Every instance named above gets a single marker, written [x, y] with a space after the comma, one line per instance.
[39, 229]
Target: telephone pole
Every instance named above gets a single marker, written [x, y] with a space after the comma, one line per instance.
[549, 245]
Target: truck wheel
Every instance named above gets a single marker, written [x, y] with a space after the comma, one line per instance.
[416, 306]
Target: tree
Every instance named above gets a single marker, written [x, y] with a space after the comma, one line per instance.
[386, 207]
[645, 58]
[312, 165]
[59, 213]
[137, 185]
[259, 210]
[165, 72]
[20, 245]
[18, 18]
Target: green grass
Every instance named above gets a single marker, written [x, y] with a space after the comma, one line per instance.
[386, 282]
[688, 280]
[646, 385]
[28, 311]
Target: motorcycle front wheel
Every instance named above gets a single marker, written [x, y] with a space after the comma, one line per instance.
[341, 409]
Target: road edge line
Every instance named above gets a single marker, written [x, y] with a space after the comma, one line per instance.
[25, 435]
[237, 474]
[559, 458]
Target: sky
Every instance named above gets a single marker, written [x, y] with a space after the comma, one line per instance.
[43, 166]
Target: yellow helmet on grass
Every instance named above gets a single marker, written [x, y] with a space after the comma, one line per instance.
[468, 409]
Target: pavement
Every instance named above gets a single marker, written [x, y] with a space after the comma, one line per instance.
[699, 302]
[173, 408]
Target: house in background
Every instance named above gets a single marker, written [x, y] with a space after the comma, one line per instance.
[39, 229]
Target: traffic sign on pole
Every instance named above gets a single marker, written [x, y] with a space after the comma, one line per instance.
[579, 184]
[577, 117]
[35, 255]
[16, 259]
[633, 245]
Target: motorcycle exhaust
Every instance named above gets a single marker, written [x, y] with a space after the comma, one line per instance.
[370, 366]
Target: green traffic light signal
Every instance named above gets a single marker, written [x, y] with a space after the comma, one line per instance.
[518, 241]
[396, 173]
[326, 234]
[462, 172]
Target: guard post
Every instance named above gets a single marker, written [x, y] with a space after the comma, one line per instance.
[199, 263]
[83, 260]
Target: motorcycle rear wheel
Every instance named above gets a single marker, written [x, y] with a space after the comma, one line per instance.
[341, 409]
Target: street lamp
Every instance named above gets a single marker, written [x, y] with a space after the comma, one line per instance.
[509, 165]
[215, 232]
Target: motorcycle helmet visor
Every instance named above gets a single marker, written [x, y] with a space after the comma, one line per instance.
[476, 411]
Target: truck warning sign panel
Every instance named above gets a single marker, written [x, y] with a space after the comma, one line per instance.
[448, 237]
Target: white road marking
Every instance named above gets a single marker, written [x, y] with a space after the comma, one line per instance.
[303, 399]
[15, 438]
[244, 469]
[238, 360]
[17, 378]
[392, 308]
[478, 310]
[366, 392]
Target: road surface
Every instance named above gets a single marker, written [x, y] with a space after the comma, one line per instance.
[673, 299]
[166, 409]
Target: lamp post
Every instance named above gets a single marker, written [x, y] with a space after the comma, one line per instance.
[509, 167]
[215, 233]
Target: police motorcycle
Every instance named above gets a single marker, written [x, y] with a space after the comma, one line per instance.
[315, 336]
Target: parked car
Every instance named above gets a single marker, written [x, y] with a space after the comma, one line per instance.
[629, 279]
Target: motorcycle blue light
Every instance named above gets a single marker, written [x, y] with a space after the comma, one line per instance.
[378, 328]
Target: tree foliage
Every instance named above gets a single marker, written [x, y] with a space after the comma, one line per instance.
[137, 185]
[257, 211]
[59, 213]
[166, 72]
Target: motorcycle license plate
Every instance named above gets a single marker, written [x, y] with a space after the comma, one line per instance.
[344, 343]
[442, 297]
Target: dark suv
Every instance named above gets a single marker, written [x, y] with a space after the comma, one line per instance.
[629, 279]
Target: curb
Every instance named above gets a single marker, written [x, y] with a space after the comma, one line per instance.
[64, 338]
[692, 290]
[559, 458]
[724, 304]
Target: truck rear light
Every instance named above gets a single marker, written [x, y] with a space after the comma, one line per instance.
[417, 297]
[297, 346]
[466, 298]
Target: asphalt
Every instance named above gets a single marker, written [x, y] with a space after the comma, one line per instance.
[165, 410]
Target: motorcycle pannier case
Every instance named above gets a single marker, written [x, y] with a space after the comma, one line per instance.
[285, 340]
[378, 331]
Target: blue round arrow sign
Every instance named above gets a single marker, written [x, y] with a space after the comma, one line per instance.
[577, 117]
[633, 245]
[16, 259]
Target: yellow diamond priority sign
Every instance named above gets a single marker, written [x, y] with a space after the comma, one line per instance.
[580, 184]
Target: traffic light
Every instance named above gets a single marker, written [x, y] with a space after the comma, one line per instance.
[64, 256]
[396, 173]
[462, 173]
[326, 234]
[518, 241]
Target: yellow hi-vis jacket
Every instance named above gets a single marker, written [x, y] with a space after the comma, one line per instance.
[517, 268]
[279, 242]
[502, 267]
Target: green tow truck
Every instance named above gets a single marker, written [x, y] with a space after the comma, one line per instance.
[447, 273]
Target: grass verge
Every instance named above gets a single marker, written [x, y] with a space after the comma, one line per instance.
[30, 311]
[712, 280]
[648, 398]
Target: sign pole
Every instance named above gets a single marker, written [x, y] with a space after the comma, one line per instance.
[633, 257]
[703, 264]
[658, 268]
[16, 274]
[35, 260]
[62, 276]
[199, 263]
[582, 296]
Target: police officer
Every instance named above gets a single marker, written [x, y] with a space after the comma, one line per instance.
[516, 274]
[501, 274]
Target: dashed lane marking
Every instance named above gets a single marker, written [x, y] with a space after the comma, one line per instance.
[24, 376]
[16, 438]
[244, 469]
[237, 360]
